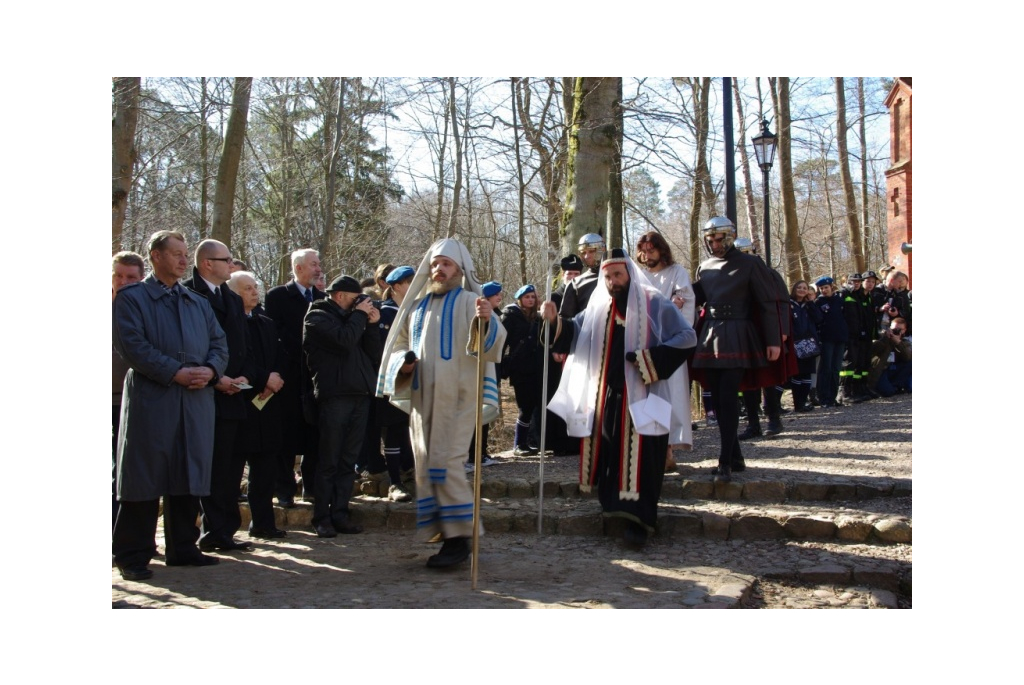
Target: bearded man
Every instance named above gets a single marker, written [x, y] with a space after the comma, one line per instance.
[614, 391]
[438, 316]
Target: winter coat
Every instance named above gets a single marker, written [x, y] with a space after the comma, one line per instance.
[165, 445]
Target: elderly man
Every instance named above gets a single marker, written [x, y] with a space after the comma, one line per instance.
[615, 393]
[343, 347]
[221, 517]
[177, 351]
[286, 305]
[259, 440]
[431, 358]
[127, 267]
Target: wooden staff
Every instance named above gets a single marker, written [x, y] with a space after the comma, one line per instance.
[477, 439]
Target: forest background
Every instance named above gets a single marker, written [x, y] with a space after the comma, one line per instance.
[371, 170]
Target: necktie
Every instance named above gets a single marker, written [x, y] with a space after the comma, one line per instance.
[216, 296]
[309, 294]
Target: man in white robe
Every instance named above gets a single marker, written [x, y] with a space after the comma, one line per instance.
[671, 279]
[437, 323]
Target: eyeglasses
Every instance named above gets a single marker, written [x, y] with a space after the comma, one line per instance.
[221, 259]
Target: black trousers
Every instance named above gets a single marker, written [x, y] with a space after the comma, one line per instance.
[134, 538]
[221, 517]
[262, 474]
[724, 385]
[342, 430]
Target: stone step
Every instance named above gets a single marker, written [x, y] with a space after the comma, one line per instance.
[702, 487]
[684, 518]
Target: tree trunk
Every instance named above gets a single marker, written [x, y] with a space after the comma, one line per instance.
[791, 223]
[748, 186]
[457, 188]
[204, 160]
[852, 218]
[227, 172]
[592, 154]
[332, 148]
[521, 186]
[862, 135]
[125, 120]
[701, 184]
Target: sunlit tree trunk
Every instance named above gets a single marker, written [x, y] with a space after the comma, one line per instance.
[124, 123]
[231, 155]
[784, 164]
[852, 217]
[457, 188]
[748, 187]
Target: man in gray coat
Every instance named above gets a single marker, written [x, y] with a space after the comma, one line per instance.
[176, 350]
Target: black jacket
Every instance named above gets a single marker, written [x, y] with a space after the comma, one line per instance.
[342, 350]
[230, 313]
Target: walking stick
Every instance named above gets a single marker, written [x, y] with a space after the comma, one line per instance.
[477, 439]
[544, 402]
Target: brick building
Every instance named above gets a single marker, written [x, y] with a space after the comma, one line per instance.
[899, 176]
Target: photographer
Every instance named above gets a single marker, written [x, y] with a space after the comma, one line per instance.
[890, 360]
[343, 348]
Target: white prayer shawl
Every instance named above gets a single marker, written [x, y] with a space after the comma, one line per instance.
[670, 281]
[651, 320]
[388, 381]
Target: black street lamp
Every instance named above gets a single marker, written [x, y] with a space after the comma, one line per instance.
[764, 150]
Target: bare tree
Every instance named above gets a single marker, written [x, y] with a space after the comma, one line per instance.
[791, 223]
[125, 120]
[227, 172]
[748, 190]
[852, 218]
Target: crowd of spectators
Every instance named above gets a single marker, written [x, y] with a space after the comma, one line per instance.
[208, 380]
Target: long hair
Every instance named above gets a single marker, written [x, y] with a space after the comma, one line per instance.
[655, 240]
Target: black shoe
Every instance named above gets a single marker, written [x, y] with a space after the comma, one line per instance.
[135, 572]
[324, 530]
[804, 409]
[738, 466]
[722, 474]
[635, 535]
[773, 429]
[752, 431]
[267, 533]
[286, 503]
[453, 551]
[871, 393]
[223, 545]
[343, 524]
[198, 560]
[525, 451]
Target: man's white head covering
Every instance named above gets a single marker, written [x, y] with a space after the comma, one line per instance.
[457, 252]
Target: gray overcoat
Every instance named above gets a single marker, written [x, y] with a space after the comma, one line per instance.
[166, 441]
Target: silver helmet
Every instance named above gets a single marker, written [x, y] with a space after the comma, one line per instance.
[592, 241]
[716, 225]
[744, 245]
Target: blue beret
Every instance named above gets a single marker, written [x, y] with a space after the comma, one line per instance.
[491, 288]
[824, 280]
[400, 274]
[526, 289]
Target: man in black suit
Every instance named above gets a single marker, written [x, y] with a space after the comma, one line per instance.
[286, 305]
[221, 518]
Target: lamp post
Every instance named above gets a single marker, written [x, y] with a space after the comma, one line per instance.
[764, 150]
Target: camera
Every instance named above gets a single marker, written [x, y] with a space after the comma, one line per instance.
[362, 298]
